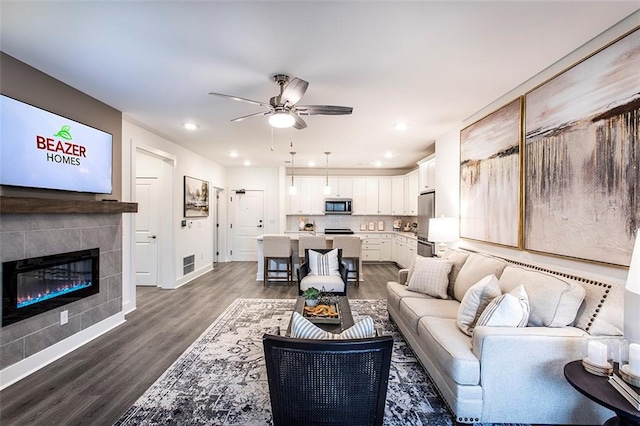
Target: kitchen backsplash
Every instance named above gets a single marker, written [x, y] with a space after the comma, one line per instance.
[346, 221]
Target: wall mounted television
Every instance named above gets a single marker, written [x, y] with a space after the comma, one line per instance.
[39, 149]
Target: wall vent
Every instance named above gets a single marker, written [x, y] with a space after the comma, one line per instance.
[188, 264]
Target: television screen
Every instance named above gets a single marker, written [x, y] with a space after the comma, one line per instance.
[39, 149]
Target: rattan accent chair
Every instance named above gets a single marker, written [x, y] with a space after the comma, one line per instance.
[334, 284]
[327, 382]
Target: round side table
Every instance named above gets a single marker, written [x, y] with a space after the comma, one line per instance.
[599, 390]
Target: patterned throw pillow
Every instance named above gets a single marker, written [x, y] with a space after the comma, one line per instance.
[302, 328]
[509, 310]
[324, 264]
[475, 301]
[431, 276]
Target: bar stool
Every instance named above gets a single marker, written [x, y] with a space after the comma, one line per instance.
[351, 248]
[309, 242]
[277, 248]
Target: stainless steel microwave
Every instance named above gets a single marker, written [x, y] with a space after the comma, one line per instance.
[337, 206]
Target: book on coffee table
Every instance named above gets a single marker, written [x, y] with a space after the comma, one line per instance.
[631, 393]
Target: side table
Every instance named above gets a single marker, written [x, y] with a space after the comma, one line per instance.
[598, 389]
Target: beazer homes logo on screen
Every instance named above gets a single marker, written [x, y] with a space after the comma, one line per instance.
[61, 151]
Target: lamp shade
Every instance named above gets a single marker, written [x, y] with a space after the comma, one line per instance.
[282, 120]
[632, 296]
[443, 229]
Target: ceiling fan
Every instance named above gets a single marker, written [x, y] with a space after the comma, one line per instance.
[283, 109]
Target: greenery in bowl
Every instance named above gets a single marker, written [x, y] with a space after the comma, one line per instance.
[311, 293]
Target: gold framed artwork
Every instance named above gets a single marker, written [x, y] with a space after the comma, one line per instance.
[490, 190]
[582, 158]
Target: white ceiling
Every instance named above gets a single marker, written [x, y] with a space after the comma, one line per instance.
[429, 63]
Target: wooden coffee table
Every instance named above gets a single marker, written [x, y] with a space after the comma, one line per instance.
[346, 320]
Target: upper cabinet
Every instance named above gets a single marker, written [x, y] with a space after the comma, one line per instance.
[341, 187]
[427, 175]
[397, 196]
[411, 183]
[309, 197]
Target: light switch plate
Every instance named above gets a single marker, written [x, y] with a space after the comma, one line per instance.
[64, 317]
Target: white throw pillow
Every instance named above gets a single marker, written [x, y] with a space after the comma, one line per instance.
[431, 276]
[302, 328]
[509, 310]
[475, 301]
[324, 264]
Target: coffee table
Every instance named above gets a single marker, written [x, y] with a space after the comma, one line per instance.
[346, 319]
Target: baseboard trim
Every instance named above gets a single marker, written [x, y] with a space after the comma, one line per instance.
[192, 276]
[35, 362]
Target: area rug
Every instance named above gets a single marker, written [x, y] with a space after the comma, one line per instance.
[221, 378]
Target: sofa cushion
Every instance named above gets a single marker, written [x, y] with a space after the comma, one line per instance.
[304, 329]
[430, 276]
[395, 292]
[458, 258]
[413, 308]
[323, 282]
[554, 301]
[475, 268]
[601, 312]
[475, 301]
[449, 349]
[509, 310]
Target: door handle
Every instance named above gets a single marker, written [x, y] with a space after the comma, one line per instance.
[259, 226]
[153, 237]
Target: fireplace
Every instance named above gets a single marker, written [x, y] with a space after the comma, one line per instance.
[36, 285]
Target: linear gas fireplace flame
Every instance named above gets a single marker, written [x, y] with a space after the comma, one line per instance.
[36, 285]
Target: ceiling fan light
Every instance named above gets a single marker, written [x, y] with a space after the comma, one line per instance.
[282, 120]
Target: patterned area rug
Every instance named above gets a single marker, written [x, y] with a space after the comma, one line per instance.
[221, 378]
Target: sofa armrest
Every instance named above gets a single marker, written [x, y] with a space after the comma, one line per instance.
[403, 274]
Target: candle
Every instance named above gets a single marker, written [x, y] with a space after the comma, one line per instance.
[598, 353]
[634, 359]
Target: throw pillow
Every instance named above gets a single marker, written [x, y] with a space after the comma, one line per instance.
[302, 328]
[509, 310]
[324, 264]
[431, 276]
[475, 301]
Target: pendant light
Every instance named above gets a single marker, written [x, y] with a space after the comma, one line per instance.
[327, 188]
[292, 189]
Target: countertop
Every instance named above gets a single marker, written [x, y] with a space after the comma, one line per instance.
[296, 234]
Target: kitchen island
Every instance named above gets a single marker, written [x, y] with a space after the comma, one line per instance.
[294, 251]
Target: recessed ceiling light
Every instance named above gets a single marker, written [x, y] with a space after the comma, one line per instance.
[233, 154]
[388, 154]
[378, 163]
[312, 163]
[190, 126]
[401, 126]
[247, 162]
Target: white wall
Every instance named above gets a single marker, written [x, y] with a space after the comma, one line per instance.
[448, 162]
[185, 241]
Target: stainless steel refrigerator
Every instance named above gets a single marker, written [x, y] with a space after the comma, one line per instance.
[426, 210]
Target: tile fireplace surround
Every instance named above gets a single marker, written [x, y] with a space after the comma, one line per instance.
[57, 227]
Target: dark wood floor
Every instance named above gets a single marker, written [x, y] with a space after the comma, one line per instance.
[97, 383]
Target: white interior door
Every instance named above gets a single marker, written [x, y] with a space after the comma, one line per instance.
[147, 231]
[247, 223]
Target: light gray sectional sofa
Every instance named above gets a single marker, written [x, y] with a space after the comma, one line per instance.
[508, 374]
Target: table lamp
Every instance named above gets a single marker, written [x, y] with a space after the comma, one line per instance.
[632, 296]
[443, 230]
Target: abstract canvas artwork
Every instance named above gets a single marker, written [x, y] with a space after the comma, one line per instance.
[490, 177]
[582, 154]
[196, 197]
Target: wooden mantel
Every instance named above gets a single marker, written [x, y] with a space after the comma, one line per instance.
[10, 205]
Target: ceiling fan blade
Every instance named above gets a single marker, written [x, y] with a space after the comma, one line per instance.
[238, 98]
[257, 114]
[323, 110]
[300, 123]
[294, 91]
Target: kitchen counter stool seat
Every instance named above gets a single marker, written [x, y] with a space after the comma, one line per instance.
[310, 242]
[277, 248]
[351, 247]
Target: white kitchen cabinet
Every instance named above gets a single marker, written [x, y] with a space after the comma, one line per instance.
[397, 195]
[341, 187]
[359, 186]
[394, 248]
[371, 247]
[378, 196]
[411, 193]
[386, 242]
[427, 175]
[402, 251]
[412, 250]
[309, 198]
